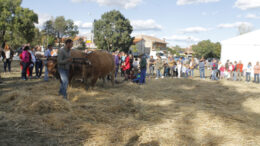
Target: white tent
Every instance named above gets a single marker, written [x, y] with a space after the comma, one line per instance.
[244, 47]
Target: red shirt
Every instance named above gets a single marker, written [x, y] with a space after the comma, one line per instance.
[222, 69]
[127, 64]
[239, 67]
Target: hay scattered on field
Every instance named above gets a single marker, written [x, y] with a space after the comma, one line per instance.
[163, 112]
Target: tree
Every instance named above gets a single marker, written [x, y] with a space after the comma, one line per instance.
[17, 24]
[82, 44]
[207, 49]
[172, 51]
[25, 24]
[37, 37]
[59, 28]
[113, 31]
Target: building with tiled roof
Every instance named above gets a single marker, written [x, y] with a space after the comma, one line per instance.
[146, 44]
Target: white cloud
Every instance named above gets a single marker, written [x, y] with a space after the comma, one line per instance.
[83, 25]
[134, 34]
[247, 4]
[235, 25]
[118, 3]
[196, 29]
[84, 33]
[183, 38]
[42, 18]
[209, 13]
[146, 25]
[252, 16]
[188, 2]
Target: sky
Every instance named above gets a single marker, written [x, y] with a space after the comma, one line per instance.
[180, 22]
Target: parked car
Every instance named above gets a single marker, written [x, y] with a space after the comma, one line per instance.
[160, 53]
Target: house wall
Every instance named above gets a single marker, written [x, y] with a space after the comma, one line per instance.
[147, 45]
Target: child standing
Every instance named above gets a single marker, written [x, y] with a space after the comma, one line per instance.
[222, 71]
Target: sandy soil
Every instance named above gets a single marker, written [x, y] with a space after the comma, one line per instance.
[163, 112]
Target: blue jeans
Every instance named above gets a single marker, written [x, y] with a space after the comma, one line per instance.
[64, 78]
[166, 71]
[143, 75]
[7, 62]
[158, 73]
[202, 73]
[248, 76]
[38, 68]
[151, 70]
[191, 72]
[116, 71]
[46, 76]
[256, 78]
[214, 75]
[186, 74]
[31, 69]
[25, 66]
[235, 76]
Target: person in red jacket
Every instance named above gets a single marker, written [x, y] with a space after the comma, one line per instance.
[126, 67]
[239, 70]
[21, 65]
[26, 59]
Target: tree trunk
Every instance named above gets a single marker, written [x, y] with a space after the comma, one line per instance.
[3, 39]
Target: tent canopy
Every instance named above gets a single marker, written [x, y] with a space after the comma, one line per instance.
[245, 48]
[251, 38]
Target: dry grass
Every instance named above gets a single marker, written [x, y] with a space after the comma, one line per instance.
[162, 112]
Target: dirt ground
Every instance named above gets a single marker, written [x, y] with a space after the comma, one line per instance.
[166, 112]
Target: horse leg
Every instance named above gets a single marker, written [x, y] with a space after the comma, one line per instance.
[86, 83]
[70, 80]
[113, 78]
[104, 81]
[93, 82]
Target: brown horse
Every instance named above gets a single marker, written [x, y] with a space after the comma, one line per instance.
[93, 66]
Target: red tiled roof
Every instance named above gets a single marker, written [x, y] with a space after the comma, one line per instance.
[136, 40]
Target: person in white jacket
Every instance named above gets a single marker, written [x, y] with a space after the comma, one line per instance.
[179, 68]
[249, 70]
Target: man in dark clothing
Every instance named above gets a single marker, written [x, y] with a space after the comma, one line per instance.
[143, 65]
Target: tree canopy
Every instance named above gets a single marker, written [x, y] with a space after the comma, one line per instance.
[60, 27]
[17, 24]
[113, 32]
[207, 49]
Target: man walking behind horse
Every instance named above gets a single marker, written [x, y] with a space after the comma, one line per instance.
[64, 61]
